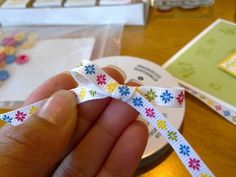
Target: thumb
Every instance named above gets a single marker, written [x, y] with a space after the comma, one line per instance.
[34, 147]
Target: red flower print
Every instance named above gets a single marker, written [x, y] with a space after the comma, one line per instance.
[20, 116]
[180, 98]
[218, 107]
[149, 112]
[101, 79]
[194, 163]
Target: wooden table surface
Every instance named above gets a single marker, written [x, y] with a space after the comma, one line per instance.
[212, 136]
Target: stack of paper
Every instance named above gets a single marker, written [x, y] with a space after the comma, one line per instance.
[73, 12]
[206, 68]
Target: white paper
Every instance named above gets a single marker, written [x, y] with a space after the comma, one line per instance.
[75, 3]
[15, 4]
[114, 2]
[47, 3]
[46, 58]
[131, 14]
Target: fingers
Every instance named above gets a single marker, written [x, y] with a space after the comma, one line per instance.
[127, 152]
[86, 116]
[87, 158]
[62, 81]
[90, 111]
[99, 105]
[33, 148]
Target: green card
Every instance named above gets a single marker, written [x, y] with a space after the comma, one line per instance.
[197, 63]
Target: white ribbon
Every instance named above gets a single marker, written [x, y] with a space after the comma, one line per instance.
[94, 83]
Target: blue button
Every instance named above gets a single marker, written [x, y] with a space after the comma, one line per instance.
[10, 59]
[4, 74]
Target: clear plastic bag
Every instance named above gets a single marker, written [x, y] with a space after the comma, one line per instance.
[50, 50]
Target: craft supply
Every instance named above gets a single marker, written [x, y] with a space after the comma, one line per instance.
[148, 73]
[229, 64]
[10, 50]
[27, 44]
[59, 53]
[75, 3]
[15, 4]
[21, 59]
[47, 3]
[10, 59]
[164, 5]
[196, 67]
[2, 57]
[4, 74]
[114, 2]
[8, 41]
[19, 36]
[2, 50]
[84, 12]
[94, 83]
[2, 64]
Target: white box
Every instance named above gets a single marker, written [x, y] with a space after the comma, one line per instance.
[130, 14]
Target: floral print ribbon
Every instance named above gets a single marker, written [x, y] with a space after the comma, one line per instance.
[94, 83]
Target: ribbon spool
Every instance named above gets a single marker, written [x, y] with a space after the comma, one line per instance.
[150, 74]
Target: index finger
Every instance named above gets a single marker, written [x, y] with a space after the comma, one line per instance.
[62, 81]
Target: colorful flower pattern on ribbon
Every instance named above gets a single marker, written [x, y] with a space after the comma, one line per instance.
[137, 101]
[224, 111]
[20, 116]
[194, 163]
[111, 87]
[150, 112]
[180, 98]
[82, 93]
[90, 69]
[92, 93]
[7, 118]
[161, 124]
[124, 90]
[150, 95]
[184, 149]
[33, 110]
[140, 99]
[101, 79]
[166, 96]
[172, 135]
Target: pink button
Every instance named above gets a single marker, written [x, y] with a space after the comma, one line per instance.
[21, 59]
[9, 41]
[2, 57]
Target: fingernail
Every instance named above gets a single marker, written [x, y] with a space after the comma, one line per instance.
[58, 108]
[119, 70]
[135, 81]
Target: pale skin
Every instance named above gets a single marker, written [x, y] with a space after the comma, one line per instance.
[98, 138]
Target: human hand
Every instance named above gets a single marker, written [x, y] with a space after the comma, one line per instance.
[96, 138]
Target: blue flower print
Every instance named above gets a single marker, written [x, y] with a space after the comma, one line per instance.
[90, 69]
[185, 150]
[7, 118]
[137, 101]
[166, 96]
[124, 90]
[226, 113]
